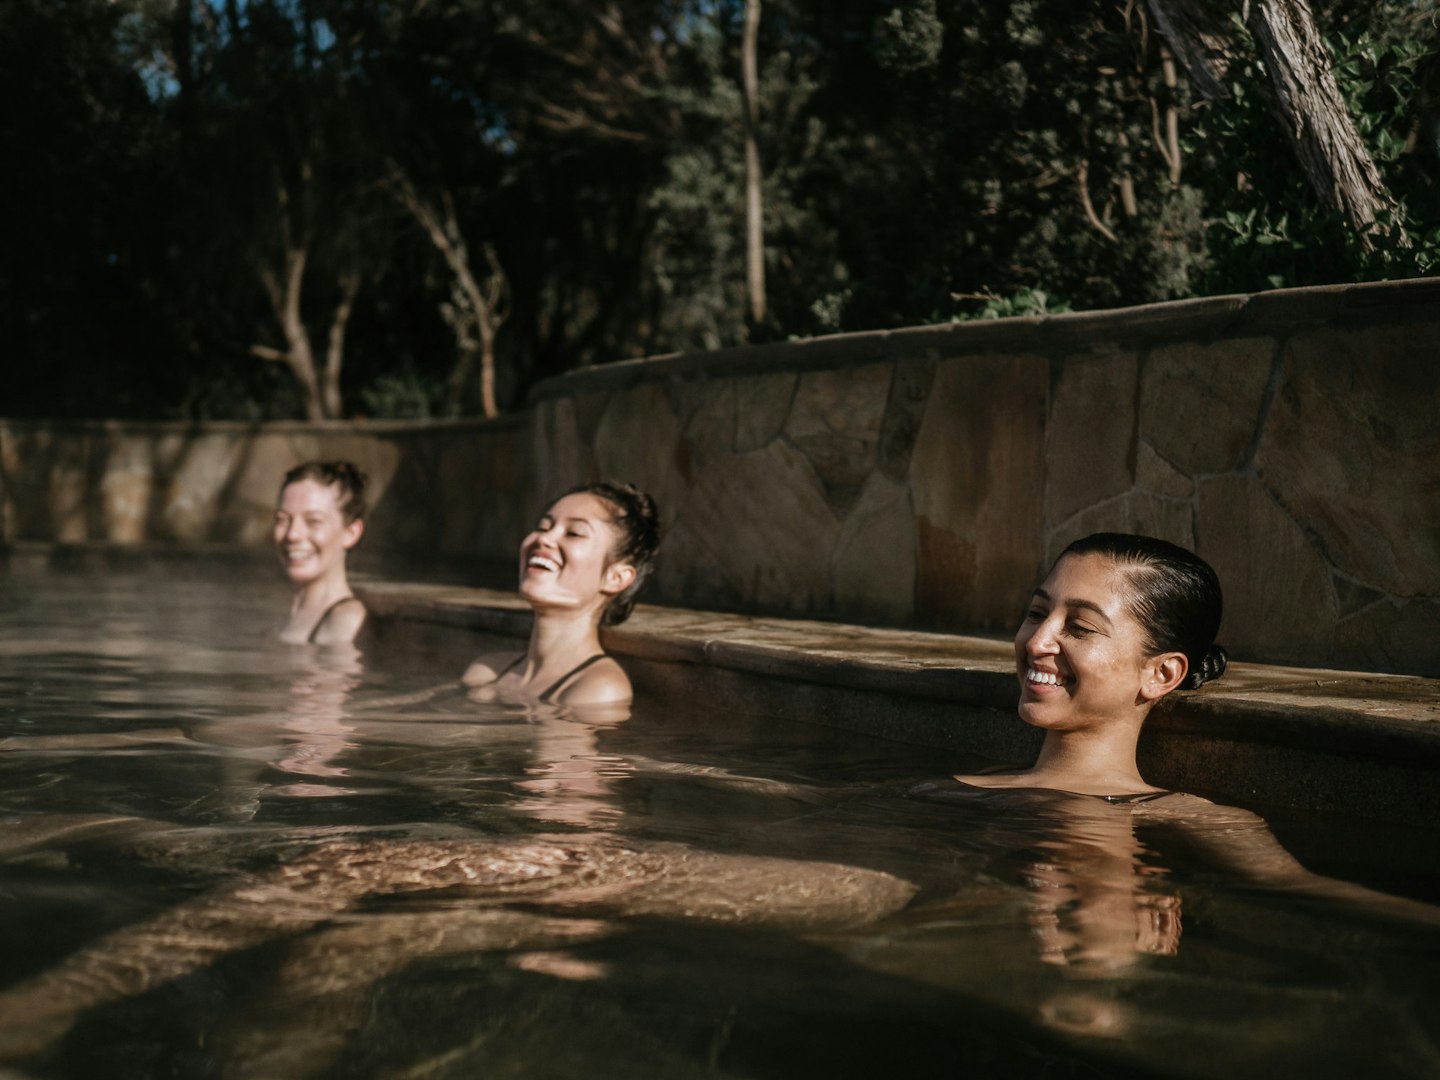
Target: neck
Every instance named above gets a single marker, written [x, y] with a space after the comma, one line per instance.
[1091, 763]
[568, 636]
[321, 593]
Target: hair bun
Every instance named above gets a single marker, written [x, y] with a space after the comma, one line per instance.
[1211, 666]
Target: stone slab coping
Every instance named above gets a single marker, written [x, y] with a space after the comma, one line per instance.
[1378, 716]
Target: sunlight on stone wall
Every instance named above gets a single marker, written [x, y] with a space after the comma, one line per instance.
[923, 476]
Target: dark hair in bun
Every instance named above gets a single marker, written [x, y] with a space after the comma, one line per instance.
[338, 474]
[638, 521]
[1176, 598]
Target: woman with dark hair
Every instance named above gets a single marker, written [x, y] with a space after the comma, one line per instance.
[319, 517]
[580, 569]
[1120, 622]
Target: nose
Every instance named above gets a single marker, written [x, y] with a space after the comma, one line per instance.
[539, 539]
[1041, 641]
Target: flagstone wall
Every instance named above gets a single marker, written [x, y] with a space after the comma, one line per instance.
[923, 476]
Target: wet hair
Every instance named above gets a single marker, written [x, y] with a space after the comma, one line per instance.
[342, 475]
[638, 521]
[1175, 596]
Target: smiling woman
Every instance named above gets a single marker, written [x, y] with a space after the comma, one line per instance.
[580, 569]
[319, 517]
[1122, 621]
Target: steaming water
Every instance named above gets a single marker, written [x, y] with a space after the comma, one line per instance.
[225, 857]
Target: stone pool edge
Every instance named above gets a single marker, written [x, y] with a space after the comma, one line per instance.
[1306, 739]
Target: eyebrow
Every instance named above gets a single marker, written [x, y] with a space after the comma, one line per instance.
[1087, 605]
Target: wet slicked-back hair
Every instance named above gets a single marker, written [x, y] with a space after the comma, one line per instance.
[341, 475]
[1175, 596]
[636, 518]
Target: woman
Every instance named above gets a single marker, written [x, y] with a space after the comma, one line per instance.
[319, 517]
[1121, 622]
[580, 569]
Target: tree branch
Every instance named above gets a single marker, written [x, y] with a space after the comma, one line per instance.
[1082, 176]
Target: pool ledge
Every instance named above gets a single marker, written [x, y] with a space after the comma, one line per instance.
[1303, 738]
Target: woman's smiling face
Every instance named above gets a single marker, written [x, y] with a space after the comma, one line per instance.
[1080, 655]
[311, 534]
[565, 560]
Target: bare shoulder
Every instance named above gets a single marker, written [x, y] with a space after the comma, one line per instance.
[602, 683]
[1196, 810]
[341, 623]
[488, 667]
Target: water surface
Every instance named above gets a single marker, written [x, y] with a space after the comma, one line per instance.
[221, 856]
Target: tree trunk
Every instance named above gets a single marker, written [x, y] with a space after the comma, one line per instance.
[476, 310]
[1305, 96]
[1315, 117]
[754, 211]
[297, 355]
[335, 347]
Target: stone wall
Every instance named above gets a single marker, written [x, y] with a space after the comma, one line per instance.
[920, 477]
[451, 488]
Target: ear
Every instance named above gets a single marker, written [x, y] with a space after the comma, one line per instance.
[352, 533]
[618, 577]
[1162, 674]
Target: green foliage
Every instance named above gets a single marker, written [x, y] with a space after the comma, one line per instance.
[1022, 303]
[1267, 229]
[923, 160]
[405, 394]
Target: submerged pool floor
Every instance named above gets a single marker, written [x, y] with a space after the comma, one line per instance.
[225, 857]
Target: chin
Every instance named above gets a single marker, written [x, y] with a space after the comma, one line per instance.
[303, 574]
[1040, 714]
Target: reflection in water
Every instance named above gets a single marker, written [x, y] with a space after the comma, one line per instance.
[572, 782]
[314, 726]
[244, 860]
[321, 988]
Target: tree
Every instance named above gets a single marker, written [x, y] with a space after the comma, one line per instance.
[754, 207]
[1307, 101]
[478, 304]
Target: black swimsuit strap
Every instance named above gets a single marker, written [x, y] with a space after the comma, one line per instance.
[558, 683]
[321, 621]
[1130, 800]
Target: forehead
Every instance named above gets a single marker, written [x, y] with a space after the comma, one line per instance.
[583, 505]
[309, 496]
[1091, 577]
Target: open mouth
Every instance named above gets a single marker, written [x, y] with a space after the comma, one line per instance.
[1046, 678]
[542, 562]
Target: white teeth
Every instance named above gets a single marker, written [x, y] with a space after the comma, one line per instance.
[543, 562]
[1049, 678]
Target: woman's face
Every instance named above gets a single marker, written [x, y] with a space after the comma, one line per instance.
[1080, 655]
[311, 534]
[565, 560]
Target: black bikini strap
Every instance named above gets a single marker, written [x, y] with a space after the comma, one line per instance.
[325, 615]
[576, 670]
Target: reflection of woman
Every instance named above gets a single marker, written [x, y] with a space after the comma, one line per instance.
[1121, 622]
[319, 517]
[580, 569]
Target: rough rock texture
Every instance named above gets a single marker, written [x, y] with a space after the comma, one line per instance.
[925, 475]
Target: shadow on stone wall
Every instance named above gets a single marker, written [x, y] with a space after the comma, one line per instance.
[923, 477]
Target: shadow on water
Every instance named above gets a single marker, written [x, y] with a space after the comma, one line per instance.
[655, 1000]
[226, 857]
